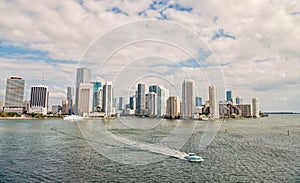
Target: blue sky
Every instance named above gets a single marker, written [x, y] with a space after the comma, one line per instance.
[248, 40]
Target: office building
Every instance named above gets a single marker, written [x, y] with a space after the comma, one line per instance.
[245, 110]
[107, 102]
[96, 95]
[239, 100]
[187, 99]
[213, 102]
[39, 96]
[255, 107]
[132, 102]
[83, 75]
[162, 96]
[64, 107]
[85, 99]
[140, 100]
[229, 96]
[70, 98]
[120, 103]
[198, 101]
[14, 95]
[151, 104]
[173, 107]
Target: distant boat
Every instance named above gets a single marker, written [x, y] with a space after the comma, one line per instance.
[193, 158]
[73, 118]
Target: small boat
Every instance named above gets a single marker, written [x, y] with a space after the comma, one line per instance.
[193, 158]
[73, 118]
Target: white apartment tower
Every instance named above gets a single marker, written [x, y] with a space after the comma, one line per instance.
[187, 99]
[213, 102]
[255, 107]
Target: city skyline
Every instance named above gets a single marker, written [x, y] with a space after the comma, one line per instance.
[252, 61]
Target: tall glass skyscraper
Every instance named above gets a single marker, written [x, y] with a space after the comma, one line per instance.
[83, 75]
[70, 95]
[162, 96]
[229, 96]
[198, 101]
[14, 95]
[96, 88]
[140, 102]
[187, 99]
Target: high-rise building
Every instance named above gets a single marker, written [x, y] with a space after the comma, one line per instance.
[187, 99]
[70, 95]
[255, 107]
[83, 75]
[132, 102]
[198, 101]
[85, 99]
[239, 100]
[229, 96]
[245, 109]
[65, 107]
[162, 96]
[96, 88]
[107, 102]
[213, 102]
[14, 95]
[39, 99]
[151, 101]
[120, 104]
[100, 100]
[173, 107]
[140, 102]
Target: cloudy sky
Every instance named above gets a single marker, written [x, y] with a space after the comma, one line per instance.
[249, 47]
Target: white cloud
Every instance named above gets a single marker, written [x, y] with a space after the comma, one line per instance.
[264, 30]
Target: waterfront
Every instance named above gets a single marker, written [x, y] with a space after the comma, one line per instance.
[250, 150]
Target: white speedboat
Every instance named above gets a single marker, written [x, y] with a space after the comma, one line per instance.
[73, 118]
[193, 158]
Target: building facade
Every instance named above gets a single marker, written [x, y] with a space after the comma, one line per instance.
[107, 102]
[173, 107]
[83, 75]
[213, 102]
[96, 88]
[14, 95]
[85, 99]
[255, 107]
[187, 99]
[70, 98]
[198, 101]
[229, 96]
[39, 96]
[140, 100]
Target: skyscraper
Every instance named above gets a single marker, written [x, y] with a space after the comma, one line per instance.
[140, 102]
[162, 96]
[238, 100]
[198, 101]
[14, 95]
[132, 102]
[107, 104]
[187, 99]
[213, 102]
[120, 104]
[70, 94]
[83, 75]
[96, 88]
[229, 96]
[85, 99]
[151, 107]
[39, 99]
[255, 107]
[173, 107]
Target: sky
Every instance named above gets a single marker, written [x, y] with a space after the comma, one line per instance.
[249, 47]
